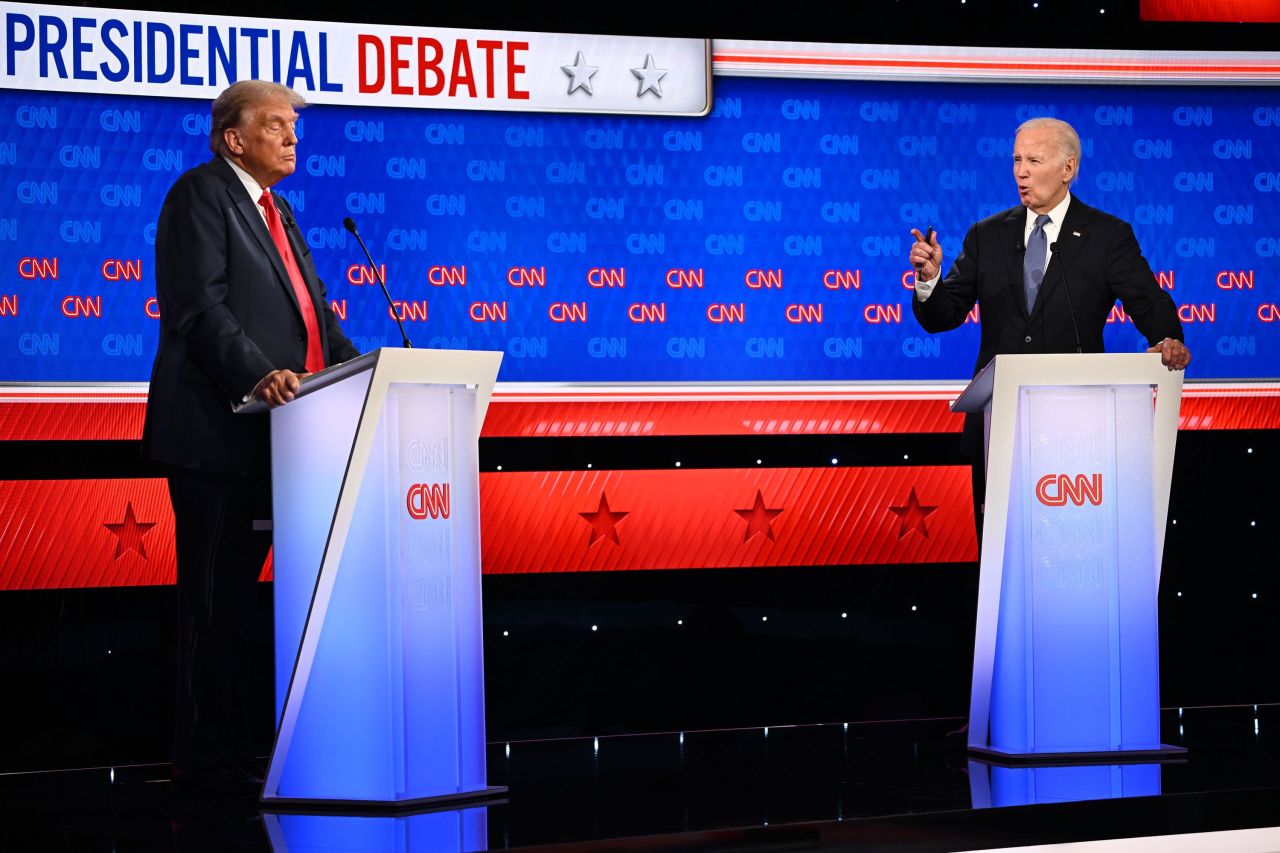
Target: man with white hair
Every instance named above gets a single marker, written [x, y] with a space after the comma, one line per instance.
[1045, 273]
[243, 315]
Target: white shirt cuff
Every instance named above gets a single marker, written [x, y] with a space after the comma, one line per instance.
[925, 288]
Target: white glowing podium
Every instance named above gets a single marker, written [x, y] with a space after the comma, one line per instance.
[379, 658]
[1079, 450]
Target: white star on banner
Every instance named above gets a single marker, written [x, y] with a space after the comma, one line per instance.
[650, 77]
[581, 74]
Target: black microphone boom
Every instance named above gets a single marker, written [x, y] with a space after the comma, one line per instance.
[1075, 328]
[350, 225]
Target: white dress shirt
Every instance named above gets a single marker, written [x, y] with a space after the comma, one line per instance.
[1056, 216]
[251, 185]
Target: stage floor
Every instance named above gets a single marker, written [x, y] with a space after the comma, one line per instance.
[891, 786]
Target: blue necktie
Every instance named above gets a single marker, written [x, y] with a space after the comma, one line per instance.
[1033, 261]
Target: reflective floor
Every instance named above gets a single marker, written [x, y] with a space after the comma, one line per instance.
[873, 786]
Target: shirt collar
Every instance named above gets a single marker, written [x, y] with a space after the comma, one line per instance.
[251, 184]
[1056, 215]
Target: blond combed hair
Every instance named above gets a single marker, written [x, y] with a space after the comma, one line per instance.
[230, 107]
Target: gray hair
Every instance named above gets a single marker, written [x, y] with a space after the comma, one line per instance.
[1065, 135]
[239, 98]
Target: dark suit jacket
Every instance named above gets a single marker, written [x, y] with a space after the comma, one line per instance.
[1101, 260]
[228, 317]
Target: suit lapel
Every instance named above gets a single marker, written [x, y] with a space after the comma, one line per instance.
[1015, 223]
[1071, 239]
[251, 214]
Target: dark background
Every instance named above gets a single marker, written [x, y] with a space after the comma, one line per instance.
[87, 674]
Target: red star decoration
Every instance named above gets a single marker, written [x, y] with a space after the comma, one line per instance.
[758, 518]
[912, 515]
[603, 522]
[130, 532]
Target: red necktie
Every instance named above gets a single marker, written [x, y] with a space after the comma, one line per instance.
[315, 357]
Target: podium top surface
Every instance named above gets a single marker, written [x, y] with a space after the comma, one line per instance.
[462, 364]
[1080, 369]
[320, 379]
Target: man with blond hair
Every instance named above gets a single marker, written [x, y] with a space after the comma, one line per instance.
[243, 315]
[1045, 273]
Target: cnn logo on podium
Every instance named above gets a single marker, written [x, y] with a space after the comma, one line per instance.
[428, 500]
[1059, 489]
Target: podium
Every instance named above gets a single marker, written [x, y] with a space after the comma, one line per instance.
[1079, 452]
[378, 635]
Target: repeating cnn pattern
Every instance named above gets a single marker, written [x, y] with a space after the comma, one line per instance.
[725, 518]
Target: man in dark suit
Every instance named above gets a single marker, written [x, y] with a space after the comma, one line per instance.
[1030, 266]
[243, 315]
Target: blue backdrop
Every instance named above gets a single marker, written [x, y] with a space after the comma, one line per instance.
[764, 242]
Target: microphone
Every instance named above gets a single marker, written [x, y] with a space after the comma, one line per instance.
[350, 225]
[1075, 328]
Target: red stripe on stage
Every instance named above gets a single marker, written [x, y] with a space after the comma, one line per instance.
[27, 416]
[622, 413]
[725, 518]
[1210, 412]
[1049, 68]
[561, 419]
[59, 420]
[62, 534]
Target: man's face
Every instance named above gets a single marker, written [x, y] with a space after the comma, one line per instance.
[1042, 172]
[264, 143]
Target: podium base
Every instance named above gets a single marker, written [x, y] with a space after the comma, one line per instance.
[1005, 758]
[492, 795]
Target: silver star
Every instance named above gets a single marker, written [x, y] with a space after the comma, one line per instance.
[650, 77]
[581, 74]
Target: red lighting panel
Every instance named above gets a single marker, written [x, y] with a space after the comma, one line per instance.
[1223, 11]
[725, 518]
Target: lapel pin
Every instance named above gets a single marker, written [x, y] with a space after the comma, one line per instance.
[1075, 233]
